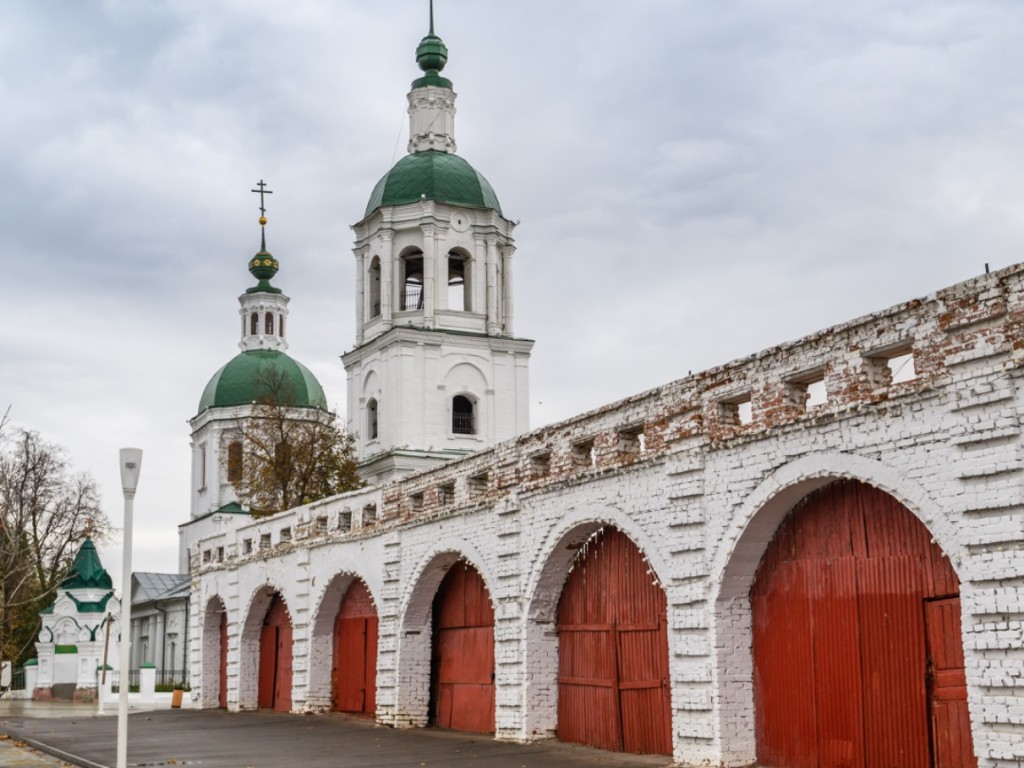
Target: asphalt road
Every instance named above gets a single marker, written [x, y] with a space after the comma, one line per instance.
[217, 739]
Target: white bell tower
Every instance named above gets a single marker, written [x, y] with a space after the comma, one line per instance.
[436, 371]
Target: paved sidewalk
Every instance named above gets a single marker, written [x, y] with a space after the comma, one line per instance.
[17, 754]
[217, 739]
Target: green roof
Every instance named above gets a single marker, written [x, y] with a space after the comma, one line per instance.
[433, 175]
[87, 571]
[259, 375]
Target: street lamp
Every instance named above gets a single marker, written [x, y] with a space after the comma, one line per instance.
[131, 463]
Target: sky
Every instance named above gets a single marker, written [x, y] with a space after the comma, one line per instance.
[694, 181]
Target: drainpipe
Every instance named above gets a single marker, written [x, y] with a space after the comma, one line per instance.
[185, 637]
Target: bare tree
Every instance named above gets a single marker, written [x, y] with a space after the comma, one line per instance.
[287, 455]
[46, 511]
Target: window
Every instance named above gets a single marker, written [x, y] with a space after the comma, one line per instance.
[458, 282]
[234, 462]
[738, 410]
[280, 325]
[202, 465]
[412, 280]
[371, 419]
[540, 464]
[476, 485]
[462, 416]
[446, 494]
[374, 287]
[254, 324]
[369, 515]
[246, 546]
[807, 390]
[269, 324]
[345, 520]
[583, 452]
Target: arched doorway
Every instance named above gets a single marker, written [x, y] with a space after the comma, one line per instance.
[462, 657]
[275, 669]
[858, 658]
[613, 690]
[355, 653]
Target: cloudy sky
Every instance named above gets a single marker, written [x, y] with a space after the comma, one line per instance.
[695, 180]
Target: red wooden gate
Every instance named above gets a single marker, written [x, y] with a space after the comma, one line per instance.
[355, 652]
[947, 683]
[275, 673]
[223, 696]
[613, 651]
[838, 608]
[462, 663]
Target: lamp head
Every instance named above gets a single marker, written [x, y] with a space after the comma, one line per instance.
[131, 463]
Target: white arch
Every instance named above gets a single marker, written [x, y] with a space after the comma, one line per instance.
[463, 376]
[249, 641]
[321, 635]
[209, 694]
[735, 562]
[552, 559]
[415, 633]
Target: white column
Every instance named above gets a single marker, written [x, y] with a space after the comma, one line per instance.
[429, 273]
[360, 293]
[158, 645]
[135, 632]
[387, 272]
[491, 266]
[506, 253]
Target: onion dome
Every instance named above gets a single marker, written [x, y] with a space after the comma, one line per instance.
[261, 376]
[433, 175]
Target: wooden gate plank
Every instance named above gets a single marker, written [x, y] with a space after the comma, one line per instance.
[463, 653]
[952, 743]
[613, 651]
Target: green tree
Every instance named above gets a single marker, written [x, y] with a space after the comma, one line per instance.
[286, 455]
[46, 512]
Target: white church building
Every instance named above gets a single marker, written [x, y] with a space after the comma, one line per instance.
[811, 555]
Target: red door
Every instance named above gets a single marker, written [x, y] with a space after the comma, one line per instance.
[613, 651]
[839, 633]
[462, 663]
[223, 700]
[947, 686]
[355, 653]
[275, 670]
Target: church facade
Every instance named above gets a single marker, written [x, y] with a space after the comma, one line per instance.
[811, 555]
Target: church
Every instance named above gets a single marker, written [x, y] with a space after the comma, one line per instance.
[808, 556]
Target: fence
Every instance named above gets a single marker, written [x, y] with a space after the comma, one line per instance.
[166, 680]
[115, 680]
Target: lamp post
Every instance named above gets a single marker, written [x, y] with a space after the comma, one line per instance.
[131, 463]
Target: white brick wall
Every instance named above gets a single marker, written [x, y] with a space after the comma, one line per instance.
[701, 500]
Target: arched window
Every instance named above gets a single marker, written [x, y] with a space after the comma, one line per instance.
[463, 417]
[254, 324]
[412, 280]
[234, 462]
[458, 282]
[280, 326]
[374, 286]
[371, 419]
[269, 324]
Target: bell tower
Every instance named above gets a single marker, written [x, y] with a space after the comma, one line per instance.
[436, 371]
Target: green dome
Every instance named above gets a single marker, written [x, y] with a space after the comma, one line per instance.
[253, 375]
[433, 175]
